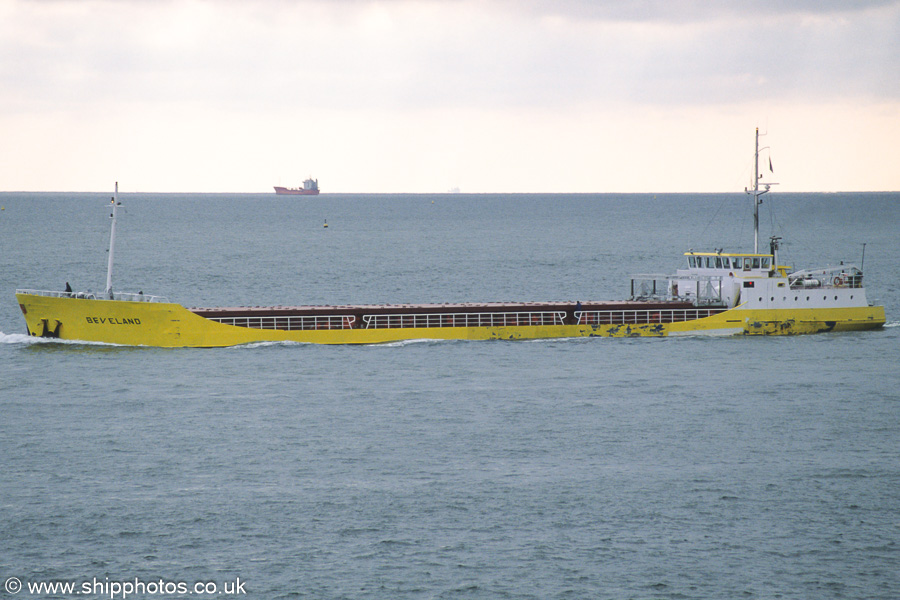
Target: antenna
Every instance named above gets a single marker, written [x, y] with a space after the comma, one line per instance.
[756, 192]
[112, 244]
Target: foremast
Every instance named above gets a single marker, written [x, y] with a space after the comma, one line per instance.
[112, 243]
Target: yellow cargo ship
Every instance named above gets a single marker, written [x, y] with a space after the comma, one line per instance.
[718, 293]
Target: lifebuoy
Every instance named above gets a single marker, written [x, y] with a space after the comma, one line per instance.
[838, 281]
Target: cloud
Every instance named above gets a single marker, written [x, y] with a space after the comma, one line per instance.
[404, 54]
[685, 11]
[480, 94]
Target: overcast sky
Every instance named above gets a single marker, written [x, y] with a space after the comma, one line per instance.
[428, 95]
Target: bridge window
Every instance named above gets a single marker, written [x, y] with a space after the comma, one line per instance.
[756, 262]
[718, 262]
[765, 263]
[692, 261]
[726, 263]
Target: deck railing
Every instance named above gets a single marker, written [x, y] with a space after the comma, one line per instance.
[120, 296]
[492, 319]
[291, 323]
[702, 290]
[622, 317]
[826, 280]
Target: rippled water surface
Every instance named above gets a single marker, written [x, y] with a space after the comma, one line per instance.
[588, 468]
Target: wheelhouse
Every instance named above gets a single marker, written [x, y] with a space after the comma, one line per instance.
[754, 264]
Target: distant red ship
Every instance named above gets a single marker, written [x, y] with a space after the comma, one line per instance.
[310, 188]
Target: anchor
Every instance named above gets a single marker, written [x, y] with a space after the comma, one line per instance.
[50, 333]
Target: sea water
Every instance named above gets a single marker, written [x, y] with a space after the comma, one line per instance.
[584, 468]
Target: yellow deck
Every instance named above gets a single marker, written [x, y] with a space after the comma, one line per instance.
[171, 325]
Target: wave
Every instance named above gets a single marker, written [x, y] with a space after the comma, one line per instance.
[435, 341]
[557, 340]
[254, 345]
[394, 344]
[17, 338]
[401, 343]
[30, 340]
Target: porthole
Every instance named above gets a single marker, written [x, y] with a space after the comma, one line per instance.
[835, 297]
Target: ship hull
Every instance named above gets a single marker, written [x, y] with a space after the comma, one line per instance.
[161, 324]
[282, 191]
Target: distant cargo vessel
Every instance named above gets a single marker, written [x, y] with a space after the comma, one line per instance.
[310, 188]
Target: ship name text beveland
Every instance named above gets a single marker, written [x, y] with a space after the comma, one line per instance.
[113, 321]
